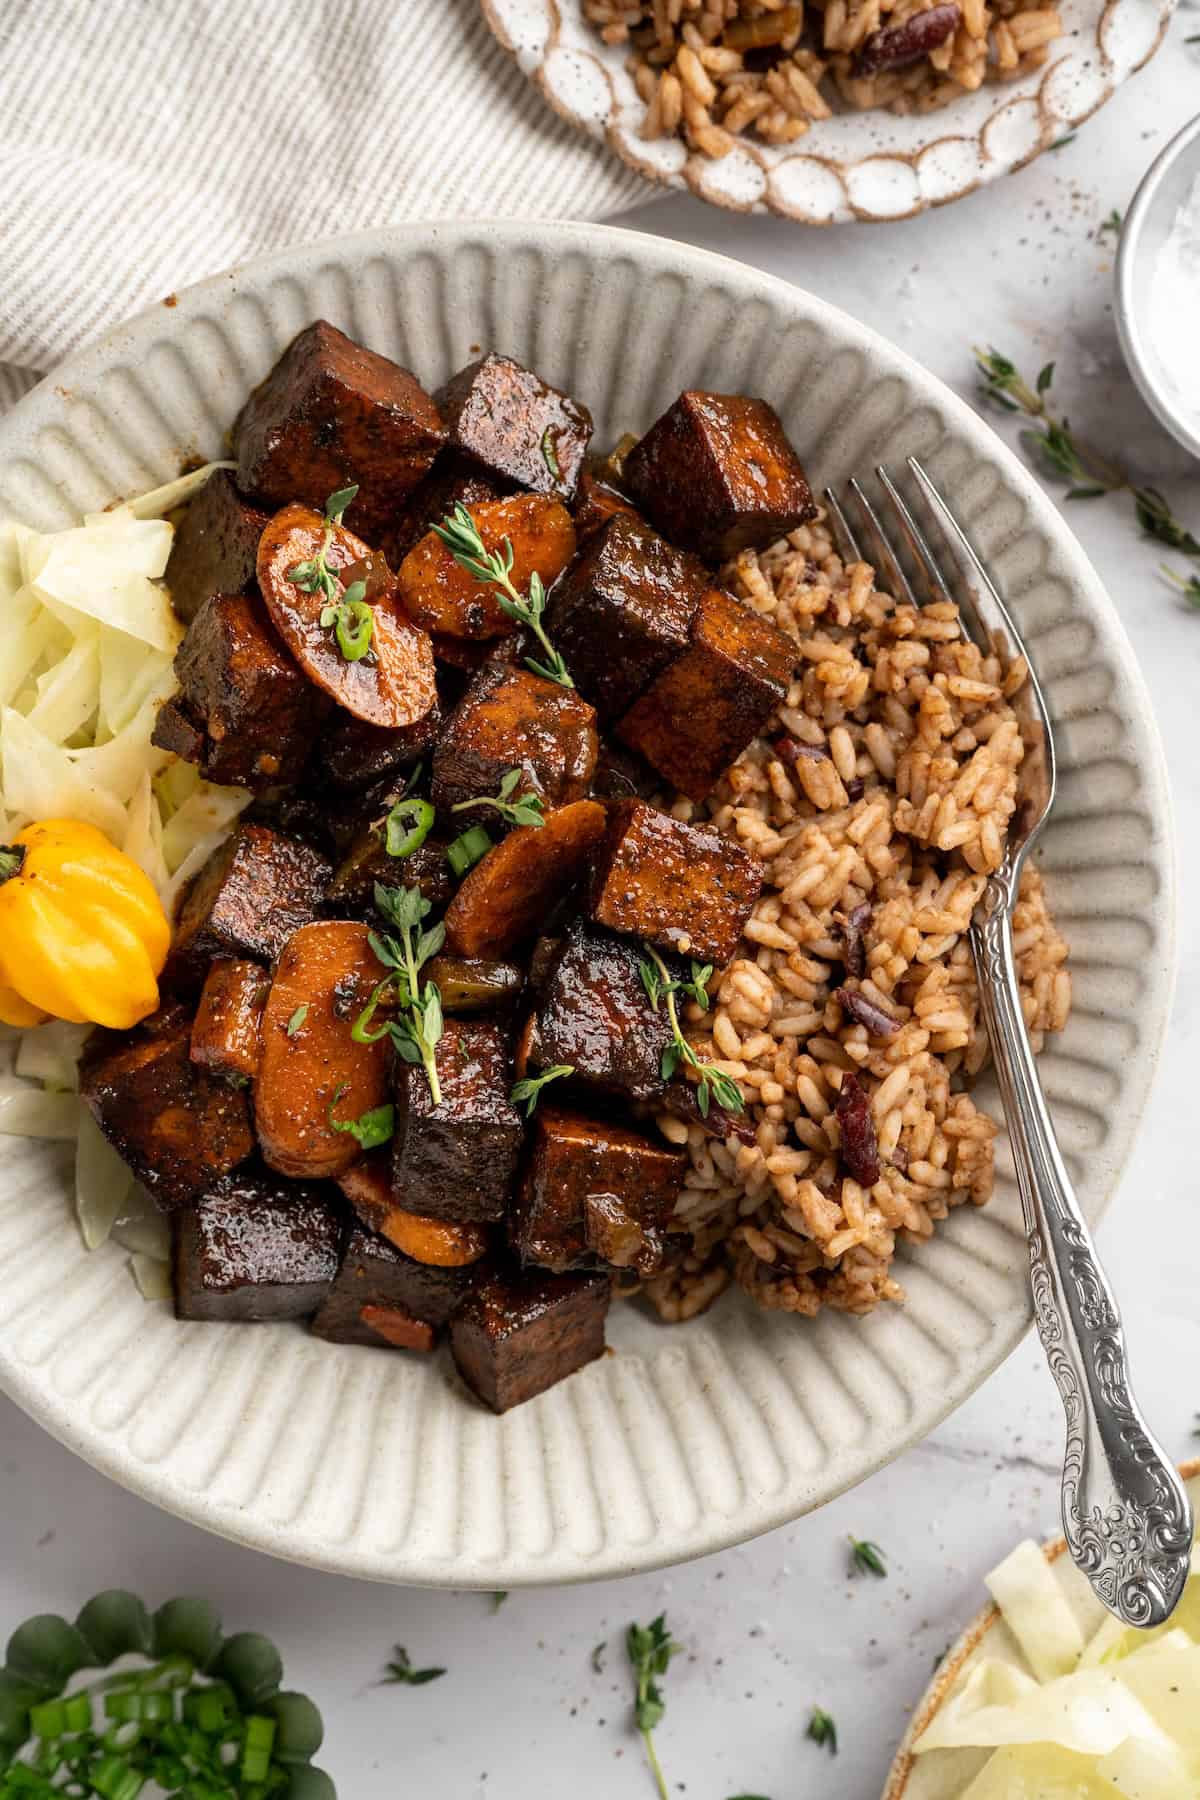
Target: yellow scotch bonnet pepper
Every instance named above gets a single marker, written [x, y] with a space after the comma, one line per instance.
[82, 933]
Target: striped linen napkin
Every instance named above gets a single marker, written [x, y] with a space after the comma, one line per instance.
[145, 144]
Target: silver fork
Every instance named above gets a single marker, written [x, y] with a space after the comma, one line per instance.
[1126, 1514]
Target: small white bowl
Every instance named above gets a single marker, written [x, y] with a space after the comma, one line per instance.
[1147, 227]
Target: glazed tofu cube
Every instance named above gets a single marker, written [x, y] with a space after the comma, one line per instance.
[254, 712]
[511, 719]
[255, 1248]
[332, 414]
[351, 893]
[594, 1014]
[687, 888]
[216, 543]
[515, 1335]
[716, 474]
[177, 1125]
[227, 1029]
[369, 1302]
[623, 611]
[246, 901]
[351, 753]
[574, 1162]
[516, 427]
[451, 482]
[702, 711]
[596, 501]
[459, 1158]
[428, 1290]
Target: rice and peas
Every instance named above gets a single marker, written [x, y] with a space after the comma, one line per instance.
[878, 802]
[711, 70]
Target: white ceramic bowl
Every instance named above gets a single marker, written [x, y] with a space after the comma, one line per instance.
[866, 165]
[1163, 190]
[689, 1438]
[944, 1774]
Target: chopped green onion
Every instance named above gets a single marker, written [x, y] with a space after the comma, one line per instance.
[113, 1779]
[467, 850]
[142, 1709]
[257, 1747]
[209, 1709]
[48, 1721]
[401, 841]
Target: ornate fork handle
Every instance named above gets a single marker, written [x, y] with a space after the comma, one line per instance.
[1125, 1512]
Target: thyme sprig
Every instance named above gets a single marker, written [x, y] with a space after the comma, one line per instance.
[1188, 585]
[529, 1088]
[650, 1649]
[661, 985]
[315, 576]
[1061, 453]
[867, 1558]
[400, 1671]
[822, 1730]
[417, 1032]
[1112, 225]
[460, 534]
[526, 809]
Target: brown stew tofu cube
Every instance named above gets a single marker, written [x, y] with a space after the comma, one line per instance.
[594, 1015]
[371, 1292]
[429, 1290]
[253, 710]
[354, 754]
[716, 474]
[215, 546]
[332, 414]
[511, 719]
[178, 1127]
[516, 427]
[227, 1029]
[595, 504]
[687, 888]
[450, 483]
[574, 1161]
[517, 1334]
[255, 1248]
[702, 711]
[351, 893]
[458, 1158]
[623, 611]
[247, 900]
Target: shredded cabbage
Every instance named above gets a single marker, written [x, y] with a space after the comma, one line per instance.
[85, 664]
[1118, 1719]
[152, 1276]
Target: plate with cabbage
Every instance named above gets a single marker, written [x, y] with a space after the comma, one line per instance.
[1047, 1697]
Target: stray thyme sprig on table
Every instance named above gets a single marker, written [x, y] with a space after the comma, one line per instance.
[460, 534]
[823, 1731]
[400, 1671]
[1062, 454]
[650, 1649]
[417, 1032]
[660, 984]
[867, 1558]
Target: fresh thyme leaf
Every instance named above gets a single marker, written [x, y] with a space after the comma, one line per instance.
[401, 1672]
[498, 1599]
[549, 454]
[297, 1019]
[1053, 446]
[460, 534]
[526, 809]
[529, 1088]
[1111, 226]
[1062, 142]
[371, 1129]
[660, 984]
[598, 1652]
[418, 1030]
[823, 1731]
[650, 1649]
[867, 1558]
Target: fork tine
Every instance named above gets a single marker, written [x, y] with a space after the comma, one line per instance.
[849, 541]
[922, 554]
[886, 558]
[973, 570]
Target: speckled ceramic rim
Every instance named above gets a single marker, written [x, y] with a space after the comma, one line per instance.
[869, 166]
[952, 1666]
[1137, 354]
[677, 1397]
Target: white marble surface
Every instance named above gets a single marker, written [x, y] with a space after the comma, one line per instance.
[777, 1626]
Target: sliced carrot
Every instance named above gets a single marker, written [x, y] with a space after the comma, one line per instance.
[444, 1245]
[446, 599]
[508, 894]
